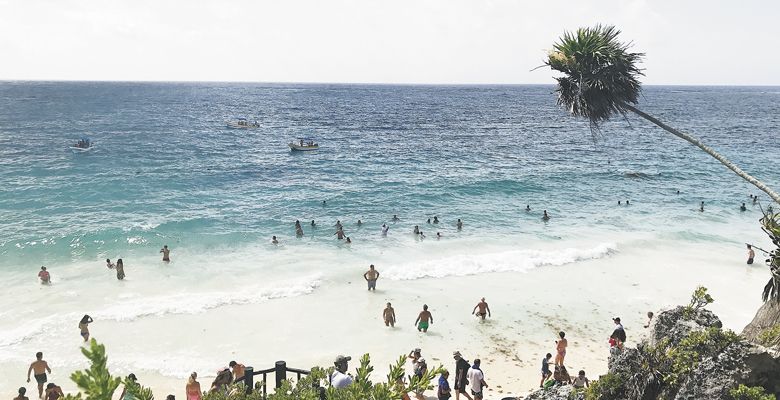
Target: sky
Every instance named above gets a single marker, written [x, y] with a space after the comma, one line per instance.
[687, 42]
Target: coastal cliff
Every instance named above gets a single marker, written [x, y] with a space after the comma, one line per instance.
[686, 356]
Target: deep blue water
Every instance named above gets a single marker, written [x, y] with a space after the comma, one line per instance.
[167, 169]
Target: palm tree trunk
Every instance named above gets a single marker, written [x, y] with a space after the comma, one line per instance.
[709, 150]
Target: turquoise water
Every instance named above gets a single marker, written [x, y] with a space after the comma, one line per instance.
[167, 170]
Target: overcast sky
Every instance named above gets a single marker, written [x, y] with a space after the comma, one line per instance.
[391, 41]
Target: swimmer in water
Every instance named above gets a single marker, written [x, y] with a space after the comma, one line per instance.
[701, 209]
[359, 223]
[755, 199]
[109, 264]
[438, 235]
[338, 224]
[416, 229]
[545, 217]
[340, 234]
[619, 202]
[751, 254]
[628, 203]
[274, 240]
[312, 223]
[435, 220]
[422, 235]
[742, 207]
[459, 224]
[429, 220]
[166, 253]
[385, 228]
[395, 218]
[527, 208]
[349, 241]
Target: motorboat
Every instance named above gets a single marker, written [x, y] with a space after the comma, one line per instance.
[82, 146]
[304, 144]
[242, 123]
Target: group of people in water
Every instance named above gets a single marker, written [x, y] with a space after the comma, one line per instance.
[45, 277]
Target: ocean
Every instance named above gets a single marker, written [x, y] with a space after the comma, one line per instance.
[166, 170]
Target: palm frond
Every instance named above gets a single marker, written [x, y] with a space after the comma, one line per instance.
[600, 74]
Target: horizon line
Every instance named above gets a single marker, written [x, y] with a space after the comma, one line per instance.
[355, 83]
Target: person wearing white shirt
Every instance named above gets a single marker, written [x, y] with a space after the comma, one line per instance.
[339, 379]
[476, 380]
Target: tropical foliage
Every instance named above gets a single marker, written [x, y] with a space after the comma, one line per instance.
[771, 225]
[600, 79]
[699, 300]
[743, 392]
[96, 383]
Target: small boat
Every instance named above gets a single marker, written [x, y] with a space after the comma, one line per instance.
[82, 146]
[304, 144]
[242, 123]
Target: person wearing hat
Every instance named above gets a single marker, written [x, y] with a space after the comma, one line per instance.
[340, 379]
[461, 381]
[619, 333]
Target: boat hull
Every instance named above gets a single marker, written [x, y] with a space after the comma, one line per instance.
[80, 149]
[296, 147]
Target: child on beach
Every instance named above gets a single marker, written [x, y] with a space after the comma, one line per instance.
[545, 369]
[109, 264]
[581, 381]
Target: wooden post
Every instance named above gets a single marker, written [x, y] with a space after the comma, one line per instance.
[281, 373]
[249, 379]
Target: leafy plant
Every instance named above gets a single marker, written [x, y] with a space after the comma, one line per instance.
[137, 391]
[608, 386]
[699, 300]
[770, 224]
[743, 392]
[96, 382]
[770, 337]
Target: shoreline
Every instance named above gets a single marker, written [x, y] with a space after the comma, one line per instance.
[528, 310]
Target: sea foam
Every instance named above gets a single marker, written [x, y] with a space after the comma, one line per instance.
[505, 261]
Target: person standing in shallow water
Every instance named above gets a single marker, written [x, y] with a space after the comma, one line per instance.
[371, 276]
[424, 319]
[742, 207]
[751, 254]
[166, 253]
[120, 269]
[389, 315]
[545, 217]
[484, 309]
[45, 276]
[84, 328]
[701, 209]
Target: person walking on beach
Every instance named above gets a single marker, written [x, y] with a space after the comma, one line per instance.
[461, 379]
[545, 369]
[389, 316]
[109, 264]
[477, 379]
[39, 368]
[560, 347]
[193, 387]
[545, 217]
[44, 276]
[424, 320]
[371, 276]
[84, 328]
[120, 269]
[340, 379]
[484, 309]
[238, 370]
[21, 396]
[53, 392]
[443, 392]
[751, 254]
[166, 253]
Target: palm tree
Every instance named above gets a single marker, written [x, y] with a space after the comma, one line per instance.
[601, 79]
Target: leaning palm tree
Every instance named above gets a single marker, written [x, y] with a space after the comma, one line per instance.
[601, 80]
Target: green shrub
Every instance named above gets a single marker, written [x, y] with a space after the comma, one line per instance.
[607, 387]
[770, 337]
[699, 300]
[743, 392]
[96, 382]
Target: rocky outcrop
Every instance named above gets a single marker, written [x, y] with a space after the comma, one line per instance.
[687, 356]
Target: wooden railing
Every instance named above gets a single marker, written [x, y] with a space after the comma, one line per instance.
[280, 371]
